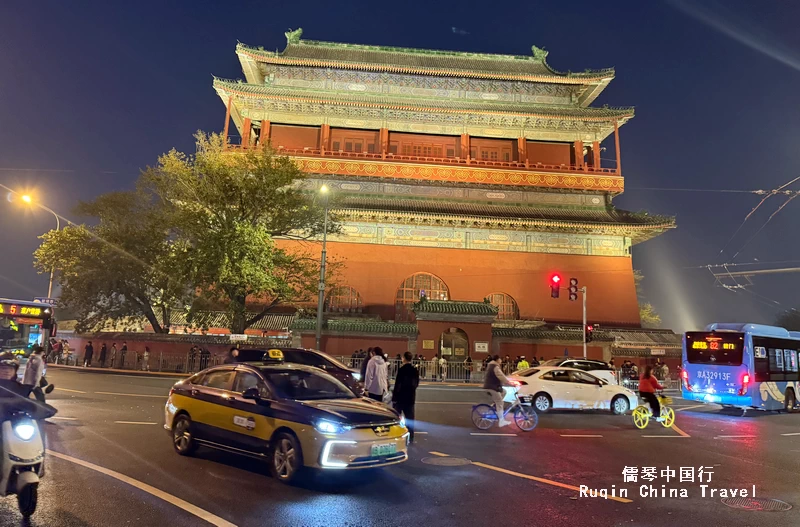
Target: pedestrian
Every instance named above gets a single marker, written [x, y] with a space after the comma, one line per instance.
[534, 362]
[34, 371]
[404, 394]
[468, 369]
[376, 380]
[611, 363]
[113, 353]
[364, 361]
[493, 383]
[443, 368]
[522, 364]
[103, 352]
[122, 352]
[231, 357]
[67, 353]
[87, 355]
[146, 359]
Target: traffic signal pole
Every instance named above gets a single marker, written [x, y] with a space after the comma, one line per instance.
[583, 290]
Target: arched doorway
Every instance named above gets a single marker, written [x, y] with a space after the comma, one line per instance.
[454, 345]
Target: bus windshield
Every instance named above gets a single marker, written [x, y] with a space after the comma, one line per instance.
[724, 349]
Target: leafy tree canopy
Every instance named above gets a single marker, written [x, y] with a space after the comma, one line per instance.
[647, 313]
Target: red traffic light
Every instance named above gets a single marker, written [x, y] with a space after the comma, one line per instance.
[555, 279]
[589, 328]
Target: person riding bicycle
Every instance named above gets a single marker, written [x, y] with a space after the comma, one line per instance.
[648, 385]
[493, 383]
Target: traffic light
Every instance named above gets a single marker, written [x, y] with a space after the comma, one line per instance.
[589, 331]
[573, 289]
[555, 285]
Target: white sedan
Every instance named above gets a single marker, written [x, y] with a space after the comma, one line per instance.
[571, 388]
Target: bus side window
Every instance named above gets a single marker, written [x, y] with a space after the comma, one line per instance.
[790, 364]
[776, 366]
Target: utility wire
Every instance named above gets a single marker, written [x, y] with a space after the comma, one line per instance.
[762, 227]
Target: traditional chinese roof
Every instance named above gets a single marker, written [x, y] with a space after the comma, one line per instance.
[637, 339]
[454, 307]
[356, 326]
[221, 319]
[418, 61]
[265, 93]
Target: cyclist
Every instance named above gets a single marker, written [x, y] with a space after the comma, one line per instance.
[493, 383]
[648, 385]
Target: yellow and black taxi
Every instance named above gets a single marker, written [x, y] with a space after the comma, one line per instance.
[291, 415]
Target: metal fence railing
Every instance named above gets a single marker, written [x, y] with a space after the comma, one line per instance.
[137, 360]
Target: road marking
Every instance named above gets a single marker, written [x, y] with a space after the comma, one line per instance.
[64, 418]
[532, 478]
[134, 423]
[672, 436]
[681, 432]
[488, 434]
[445, 402]
[689, 407]
[424, 433]
[67, 390]
[580, 435]
[734, 437]
[792, 434]
[169, 498]
[133, 394]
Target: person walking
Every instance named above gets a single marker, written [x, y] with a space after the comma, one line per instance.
[34, 371]
[493, 383]
[231, 357]
[87, 355]
[122, 352]
[376, 379]
[468, 369]
[443, 368]
[103, 352]
[404, 394]
[146, 359]
[113, 353]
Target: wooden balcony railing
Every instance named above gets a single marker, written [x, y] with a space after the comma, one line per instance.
[451, 161]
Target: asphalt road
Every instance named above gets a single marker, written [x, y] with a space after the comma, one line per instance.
[111, 463]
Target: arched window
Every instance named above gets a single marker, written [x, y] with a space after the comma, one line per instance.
[344, 299]
[506, 306]
[410, 290]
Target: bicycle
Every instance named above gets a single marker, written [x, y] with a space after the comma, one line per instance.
[484, 415]
[643, 413]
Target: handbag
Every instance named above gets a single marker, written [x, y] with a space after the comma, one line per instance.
[387, 398]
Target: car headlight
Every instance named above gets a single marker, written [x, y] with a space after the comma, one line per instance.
[403, 421]
[356, 375]
[25, 429]
[329, 427]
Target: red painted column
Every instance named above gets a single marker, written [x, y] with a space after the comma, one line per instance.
[246, 126]
[596, 155]
[522, 150]
[616, 141]
[263, 137]
[384, 140]
[325, 138]
[465, 147]
[227, 120]
[579, 155]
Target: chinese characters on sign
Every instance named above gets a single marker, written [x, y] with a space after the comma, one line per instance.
[650, 474]
[14, 309]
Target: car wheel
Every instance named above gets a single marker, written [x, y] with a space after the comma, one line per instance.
[790, 401]
[542, 402]
[620, 405]
[287, 457]
[182, 437]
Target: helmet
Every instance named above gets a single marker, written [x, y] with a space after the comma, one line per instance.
[9, 359]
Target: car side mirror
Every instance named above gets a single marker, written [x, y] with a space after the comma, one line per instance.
[251, 393]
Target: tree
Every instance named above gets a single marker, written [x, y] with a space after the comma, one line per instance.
[227, 208]
[647, 313]
[122, 266]
[789, 319]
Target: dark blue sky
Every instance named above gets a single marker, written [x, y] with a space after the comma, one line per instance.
[92, 92]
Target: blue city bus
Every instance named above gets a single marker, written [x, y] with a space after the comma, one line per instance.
[742, 366]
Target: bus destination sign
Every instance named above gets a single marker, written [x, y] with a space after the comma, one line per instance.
[21, 310]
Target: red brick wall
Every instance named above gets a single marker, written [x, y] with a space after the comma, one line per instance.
[429, 330]
[549, 153]
[344, 346]
[377, 271]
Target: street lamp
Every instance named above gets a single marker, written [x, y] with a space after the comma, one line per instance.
[29, 200]
[323, 190]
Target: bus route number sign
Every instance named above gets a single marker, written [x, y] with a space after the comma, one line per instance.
[713, 345]
[18, 310]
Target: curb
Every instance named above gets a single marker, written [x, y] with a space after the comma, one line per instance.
[115, 371]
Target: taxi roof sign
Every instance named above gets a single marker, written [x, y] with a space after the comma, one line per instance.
[274, 354]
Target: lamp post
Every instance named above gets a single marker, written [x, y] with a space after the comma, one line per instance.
[27, 199]
[323, 190]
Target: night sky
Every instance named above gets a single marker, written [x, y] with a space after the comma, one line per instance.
[90, 93]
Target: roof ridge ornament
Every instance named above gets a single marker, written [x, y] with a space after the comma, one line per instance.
[293, 36]
[539, 53]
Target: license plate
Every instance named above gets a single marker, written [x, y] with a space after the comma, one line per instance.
[384, 450]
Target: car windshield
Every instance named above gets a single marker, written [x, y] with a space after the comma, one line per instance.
[305, 385]
[552, 362]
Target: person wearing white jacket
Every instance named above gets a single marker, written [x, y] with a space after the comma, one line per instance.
[376, 379]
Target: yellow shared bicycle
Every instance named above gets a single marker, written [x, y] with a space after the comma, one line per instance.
[643, 413]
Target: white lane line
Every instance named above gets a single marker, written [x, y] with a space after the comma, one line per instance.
[64, 418]
[133, 394]
[792, 434]
[58, 388]
[135, 423]
[423, 433]
[734, 437]
[169, 498]
[689, 407]
[676, 437]
[580, 435]
[487, 434]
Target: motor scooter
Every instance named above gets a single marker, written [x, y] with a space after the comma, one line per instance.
[22, 462]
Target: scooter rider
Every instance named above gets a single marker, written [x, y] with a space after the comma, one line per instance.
[14, 396]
